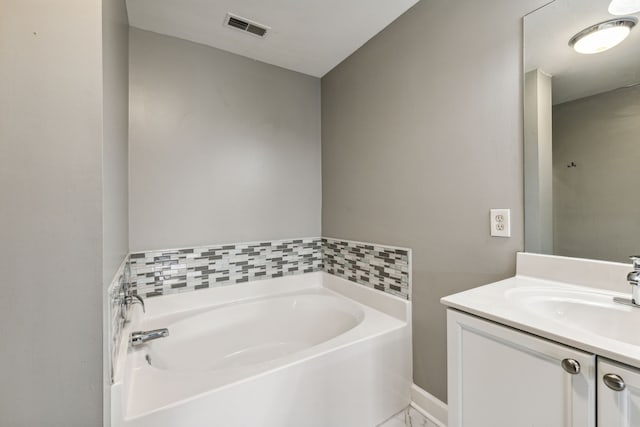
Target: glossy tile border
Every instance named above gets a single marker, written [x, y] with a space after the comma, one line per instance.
[164, 272]
[384, 268]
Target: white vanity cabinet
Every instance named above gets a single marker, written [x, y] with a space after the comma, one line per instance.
[501, 377]
[618, 394]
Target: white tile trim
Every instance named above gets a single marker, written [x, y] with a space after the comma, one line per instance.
[430, 406]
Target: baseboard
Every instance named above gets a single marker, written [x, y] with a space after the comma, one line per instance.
[430, 406]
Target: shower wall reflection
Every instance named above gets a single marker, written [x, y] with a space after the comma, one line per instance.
[582, 138]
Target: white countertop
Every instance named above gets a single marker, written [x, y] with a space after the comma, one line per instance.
[499, 302]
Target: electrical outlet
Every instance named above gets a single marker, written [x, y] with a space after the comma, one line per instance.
[501, 222]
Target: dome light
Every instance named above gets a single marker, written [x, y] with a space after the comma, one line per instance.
[624, 7]
[602, 36]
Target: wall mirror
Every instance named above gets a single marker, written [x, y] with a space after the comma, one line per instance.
[582, 130]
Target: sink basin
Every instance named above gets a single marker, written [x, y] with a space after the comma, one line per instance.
[590, 311]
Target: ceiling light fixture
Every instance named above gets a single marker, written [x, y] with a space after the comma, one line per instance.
[624, 7]
[603, 36]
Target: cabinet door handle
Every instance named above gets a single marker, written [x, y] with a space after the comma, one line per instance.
[614, 382]
[571, 366]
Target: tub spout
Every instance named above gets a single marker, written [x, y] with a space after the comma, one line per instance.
[141, 337]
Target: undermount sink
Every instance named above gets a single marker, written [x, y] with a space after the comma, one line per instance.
[590, 311]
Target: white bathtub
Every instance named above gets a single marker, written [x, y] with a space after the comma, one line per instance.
[311, 350]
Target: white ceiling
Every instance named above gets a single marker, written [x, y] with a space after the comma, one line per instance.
[547, 34]
[308, 36]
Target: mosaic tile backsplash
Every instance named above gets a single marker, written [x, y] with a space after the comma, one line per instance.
[380, 267]
[162, 272]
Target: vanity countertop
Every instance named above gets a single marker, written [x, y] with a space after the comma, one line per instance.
[578, 316]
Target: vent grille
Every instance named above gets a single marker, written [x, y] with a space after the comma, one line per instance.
[237, 23]
[246, 25]
[258, 31]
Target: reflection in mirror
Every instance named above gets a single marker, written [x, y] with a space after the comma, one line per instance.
[581, 135]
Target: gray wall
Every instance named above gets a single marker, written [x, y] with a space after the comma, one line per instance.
[222, 148]
[538, 154]
[50, 210]
[115, 30]
[115, 160]
[596, 208]
[421, 136]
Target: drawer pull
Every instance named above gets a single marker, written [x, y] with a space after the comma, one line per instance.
[571, 366]
[614, 382]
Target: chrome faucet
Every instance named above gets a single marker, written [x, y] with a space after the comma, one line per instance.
[634, 280]
[140, 337]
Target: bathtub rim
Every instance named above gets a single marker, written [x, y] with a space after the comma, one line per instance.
[190, 302]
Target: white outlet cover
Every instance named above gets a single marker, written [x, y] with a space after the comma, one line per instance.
[501, 222]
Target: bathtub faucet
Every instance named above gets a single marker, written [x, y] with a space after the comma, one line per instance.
[141, 337]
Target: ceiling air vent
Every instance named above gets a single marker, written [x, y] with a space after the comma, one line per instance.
[246, 25]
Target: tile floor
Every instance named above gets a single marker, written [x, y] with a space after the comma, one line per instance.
[409, 418]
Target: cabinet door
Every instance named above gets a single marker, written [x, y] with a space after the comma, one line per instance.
[502, 377]
[618, 395]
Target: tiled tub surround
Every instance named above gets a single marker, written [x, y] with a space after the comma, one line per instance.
[384, 268]
[163, 272]
[155, 273]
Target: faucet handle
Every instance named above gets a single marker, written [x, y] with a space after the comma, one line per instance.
[133, 299]
[127, 301]
[635, 259]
